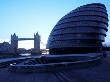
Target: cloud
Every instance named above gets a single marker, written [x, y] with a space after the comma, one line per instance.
[30, 44]
[26, 44]
[4, 40]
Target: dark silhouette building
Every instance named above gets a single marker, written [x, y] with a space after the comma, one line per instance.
[15, 39]
[80, 31]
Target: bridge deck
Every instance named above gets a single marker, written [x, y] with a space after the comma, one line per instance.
[25, 38]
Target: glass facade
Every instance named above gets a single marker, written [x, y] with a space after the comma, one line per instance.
[80, 31]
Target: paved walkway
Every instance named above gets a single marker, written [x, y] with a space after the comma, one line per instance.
[98, 73]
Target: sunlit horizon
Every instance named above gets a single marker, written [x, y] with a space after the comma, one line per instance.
[30, 44]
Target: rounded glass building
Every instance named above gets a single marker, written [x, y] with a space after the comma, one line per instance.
[80, 31]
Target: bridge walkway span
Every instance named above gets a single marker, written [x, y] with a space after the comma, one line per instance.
[25, 39]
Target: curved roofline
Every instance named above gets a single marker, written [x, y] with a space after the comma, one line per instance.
[100, 4]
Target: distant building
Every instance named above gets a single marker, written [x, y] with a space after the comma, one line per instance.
[5, 47]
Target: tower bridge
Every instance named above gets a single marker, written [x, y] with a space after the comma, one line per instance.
[15, 39]
[25, 39]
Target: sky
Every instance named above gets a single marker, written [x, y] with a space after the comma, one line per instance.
[26, 17]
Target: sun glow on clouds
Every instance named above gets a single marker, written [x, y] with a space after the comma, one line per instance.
[4, 40]
[30, 44]
[26, 44]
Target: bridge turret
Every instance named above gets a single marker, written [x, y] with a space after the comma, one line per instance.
[37, 42]
[14, 43]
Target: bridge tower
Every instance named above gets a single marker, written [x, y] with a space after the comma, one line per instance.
[14, 43]
[37, 41]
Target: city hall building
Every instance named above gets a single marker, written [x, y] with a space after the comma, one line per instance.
[80, 31]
